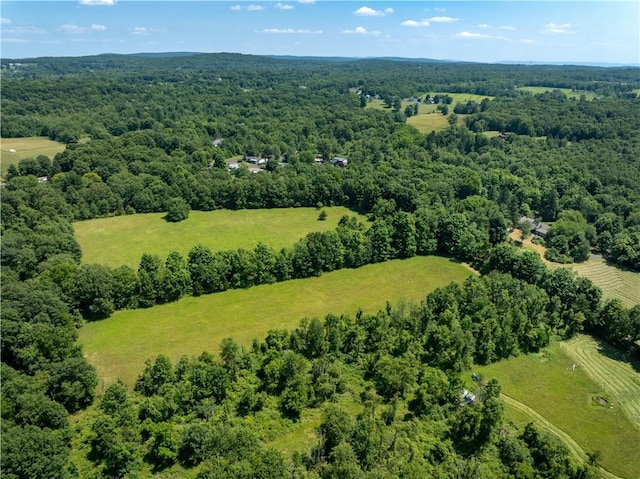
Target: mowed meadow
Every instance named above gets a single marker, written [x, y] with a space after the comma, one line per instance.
[593, 407]
[122, 240]
[15, 149]
[119, 346]
[615, 282]
[573, 94]
[429, 118]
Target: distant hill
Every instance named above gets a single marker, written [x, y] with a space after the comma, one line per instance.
[164, 54]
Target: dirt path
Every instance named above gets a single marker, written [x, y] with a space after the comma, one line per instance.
[541, 422]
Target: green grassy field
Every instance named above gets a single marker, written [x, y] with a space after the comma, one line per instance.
[491, 133]
[544, 388]
[614, 282]
[429, 118]
[122, 240]
[567, 91]
[118, 346]
[26, 148]
[432, 122]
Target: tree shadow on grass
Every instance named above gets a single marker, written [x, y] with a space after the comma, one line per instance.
[611, 352]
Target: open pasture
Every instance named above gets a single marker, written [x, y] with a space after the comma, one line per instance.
[594, 405]
[573, 94]
[432, 122]
[119, 346]
[613, 281]
[463, 97]
[27, 148]
[427, 108]
[122, 240]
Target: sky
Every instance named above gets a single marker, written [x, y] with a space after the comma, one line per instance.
[480, 31]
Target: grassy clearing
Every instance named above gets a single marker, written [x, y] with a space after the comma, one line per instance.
[27, 148]
[617, 375]
[429, 118]
[122, 240]
[613, 281]
[430, 122]
[463, 97]
[119, 345]
[544, 388]
[567, 91]
[491, 133]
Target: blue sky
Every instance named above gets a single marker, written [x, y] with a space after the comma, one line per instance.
[484, 31]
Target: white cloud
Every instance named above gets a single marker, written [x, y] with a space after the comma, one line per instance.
[72, 28]
[292, 31]
[472, 35]
[388, 10]
[257, 8]
[361, 31]
[5, 21]
[24, 30]
[558, 27]
[75, 29]
[442, 19]
[97, 2]
[368, 12]
[14, 40]
[140, 31]
[501, 27]
[416, 23]
[283, 6]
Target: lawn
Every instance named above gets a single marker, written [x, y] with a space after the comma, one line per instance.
[27, 148]
[119, 346]
[122, 240]
[595, 404]
[573, 94]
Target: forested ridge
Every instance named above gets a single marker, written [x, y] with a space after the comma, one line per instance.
[160, 134]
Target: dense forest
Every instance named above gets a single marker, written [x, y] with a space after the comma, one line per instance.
[157, 135]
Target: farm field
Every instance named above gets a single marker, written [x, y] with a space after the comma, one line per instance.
[122, 240]
[592, 407]
[429, 118]
[613, 281]
[119, 346]
[27, 148]
[457, 98]
[432, 122]
[567, 91]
